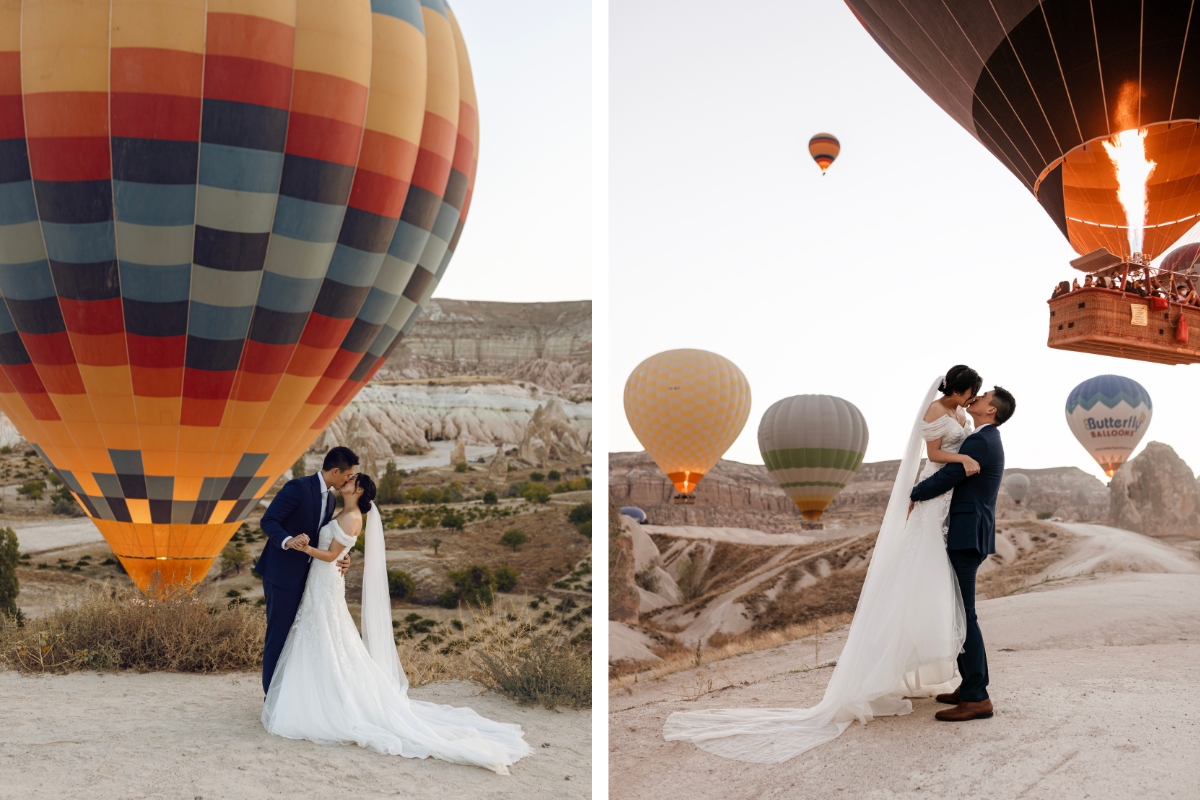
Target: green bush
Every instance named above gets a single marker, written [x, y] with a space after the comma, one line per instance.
[573, 485]
[536, 493]
[431, 496]
[537, 476]
[514, 538]
[32, 490]
[473, 585]
[388, 491]
[300, 468]
[489, 498]
[453, 520]
[400, 584]
[234, 557]
[545, 673]
[430, 521]
[413, 494]
[1045, 514]
[554, 475]
[506, 578]
[580, 513]
[461, 467]
[514, 489]
[10, 558]
[453, 493]
[585, 528]
[6, 450]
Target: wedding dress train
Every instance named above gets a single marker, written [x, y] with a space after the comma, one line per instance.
[332, 686]
[907, 631]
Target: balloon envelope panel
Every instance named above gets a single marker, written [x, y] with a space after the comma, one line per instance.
[687, 407]
[196, 200]
[812, 445]
[1109, 415]
[1041, 85]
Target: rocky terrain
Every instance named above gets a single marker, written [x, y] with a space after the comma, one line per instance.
[1156, 494]
[744, 495]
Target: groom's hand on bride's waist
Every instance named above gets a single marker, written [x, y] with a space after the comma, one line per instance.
[343, 563]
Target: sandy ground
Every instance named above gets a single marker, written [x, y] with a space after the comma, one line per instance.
[199, 736]
[37, 536]
[1096, 682]
[1100, 548]
[731, 535]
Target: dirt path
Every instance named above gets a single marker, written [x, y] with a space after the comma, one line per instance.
[1096, 682]
[199, 736]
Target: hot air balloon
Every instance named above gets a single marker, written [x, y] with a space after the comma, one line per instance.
[686, 407]
[1109, 415]
[1183, 260]
[812, 445]
[824, 148]
[1044, 85]
[634, 513]
[215, 219]
[1017, 485]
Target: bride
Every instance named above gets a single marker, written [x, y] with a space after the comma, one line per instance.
[333, 687]
[909, 626]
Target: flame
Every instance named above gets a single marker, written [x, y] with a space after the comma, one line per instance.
[1128, 154]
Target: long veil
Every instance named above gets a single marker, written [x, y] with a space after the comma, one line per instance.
[377, 604]
[877, 668]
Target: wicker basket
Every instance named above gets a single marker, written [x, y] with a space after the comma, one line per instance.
[1100, 321]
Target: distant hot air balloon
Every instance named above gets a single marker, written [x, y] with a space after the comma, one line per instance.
[824, 148]
[634, 513]
[215, 219]
[1184, 260]
[686, 407]
[812, 445]
[1043, 86]
[1109, 415]
[1017, 484]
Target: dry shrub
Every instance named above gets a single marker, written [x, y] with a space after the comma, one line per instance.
[828, 597]
[506, 648]
[113, 629]
[691, 575]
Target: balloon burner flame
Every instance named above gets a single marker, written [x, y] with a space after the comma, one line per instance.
[1128, 154]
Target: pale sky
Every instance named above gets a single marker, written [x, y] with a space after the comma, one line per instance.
[528, 235]
[916, 252]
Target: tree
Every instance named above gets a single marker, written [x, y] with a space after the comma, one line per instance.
[506, 578]
[489, 498]
[536, 493]
[400, 584]
[300, 468]
[234, 557]
[514, 539]
[413, 494]
[431, 496]
[388, 491]
[10, 558]
[580, 513]
[32, 490]
[537, 476]
[436, 544]
[554, 475]
[473, 585]
[453, 520]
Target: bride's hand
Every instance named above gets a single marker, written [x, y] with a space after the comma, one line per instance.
[970, 465]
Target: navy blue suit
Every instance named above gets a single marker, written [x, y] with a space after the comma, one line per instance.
[971, 538]
[296, 509]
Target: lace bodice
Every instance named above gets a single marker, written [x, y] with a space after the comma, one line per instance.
[952, 431]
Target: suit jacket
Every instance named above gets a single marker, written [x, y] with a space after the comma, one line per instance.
[296, 509]
[973, 505]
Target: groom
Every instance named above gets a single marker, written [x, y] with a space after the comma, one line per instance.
[301, 508]
[971, 539]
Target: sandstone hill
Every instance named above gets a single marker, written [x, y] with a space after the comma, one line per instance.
[1156, 494]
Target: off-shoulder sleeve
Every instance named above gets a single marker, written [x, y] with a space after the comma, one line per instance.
[932, 431]
[342, 537]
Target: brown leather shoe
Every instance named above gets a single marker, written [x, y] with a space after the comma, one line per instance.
[950, 699]
[965, 711]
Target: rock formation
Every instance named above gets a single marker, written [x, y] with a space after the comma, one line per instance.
[498, 468]
[550, 436]
[458, 455]
[623, 597]
[1156, 494]
[744, 495]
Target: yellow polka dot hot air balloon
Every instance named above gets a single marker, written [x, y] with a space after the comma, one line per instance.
[687, 407]
[824, 148]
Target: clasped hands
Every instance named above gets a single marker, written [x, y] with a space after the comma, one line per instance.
[301, 542]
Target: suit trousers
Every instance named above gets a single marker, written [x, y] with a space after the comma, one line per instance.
[972, 661]
[282, 605]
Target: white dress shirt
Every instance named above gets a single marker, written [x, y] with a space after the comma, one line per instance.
[324, 499]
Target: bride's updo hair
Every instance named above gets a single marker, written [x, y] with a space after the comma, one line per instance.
[367, 485]
[961, 378]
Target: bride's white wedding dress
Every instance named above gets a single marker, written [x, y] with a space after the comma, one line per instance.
[334, 687]
[906, 635]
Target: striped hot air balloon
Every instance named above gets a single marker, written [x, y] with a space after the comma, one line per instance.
[686, 407]
[824, 148]
[812, 445]
[1109, 415]
[216, 216]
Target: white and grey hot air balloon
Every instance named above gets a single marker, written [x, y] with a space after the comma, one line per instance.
[812, 444]
[1016, 485]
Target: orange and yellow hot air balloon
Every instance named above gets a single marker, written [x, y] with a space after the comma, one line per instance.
[824, 148]
[687, 407]
[216, 217]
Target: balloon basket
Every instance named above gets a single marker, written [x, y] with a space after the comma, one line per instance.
[1110, 322]
[684, 500]
[806, 525]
